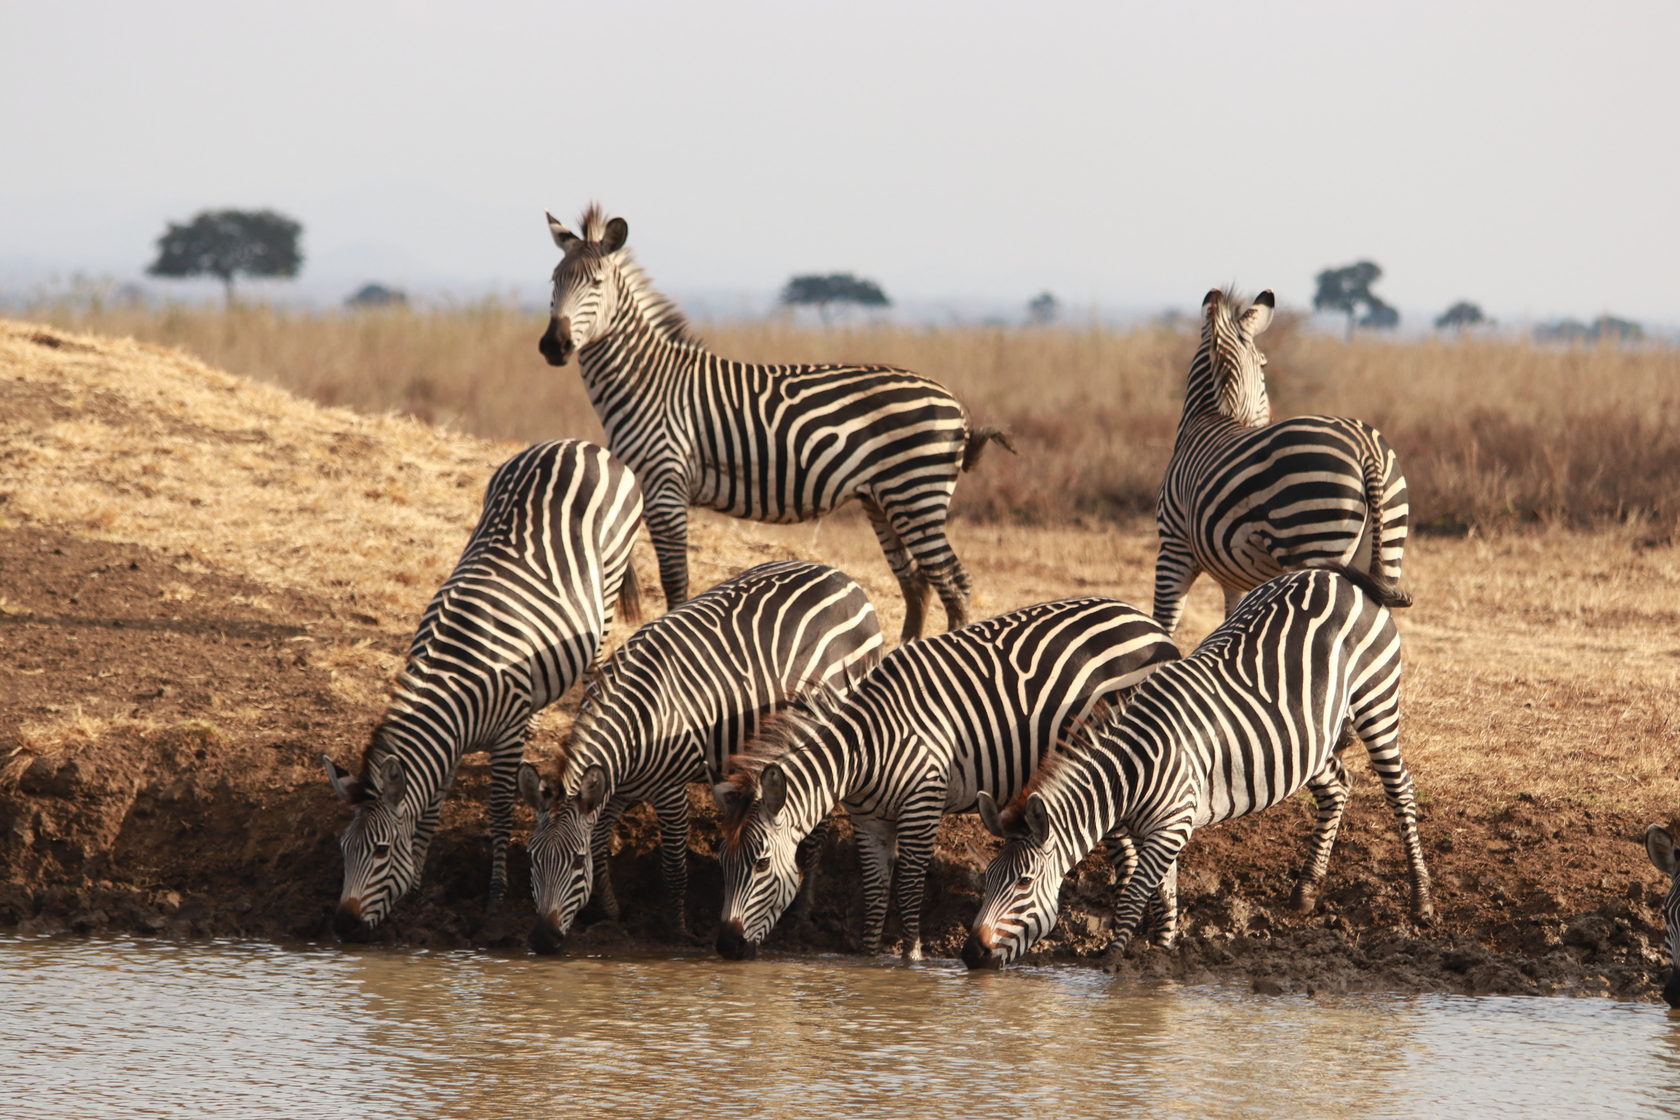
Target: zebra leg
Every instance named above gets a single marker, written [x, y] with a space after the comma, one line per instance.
[424, 829]
[1233, 596]
[917, 826]
[1377, 721]
[917, 515]
[600, 847]
[876, 841]
[1162, 924]
[1122, 854]
[1329, 788]
[666, 513]
[1175, 571]
[910, 581]
[504, 786]
[671, 807]
[1157, 856]
[806, 857]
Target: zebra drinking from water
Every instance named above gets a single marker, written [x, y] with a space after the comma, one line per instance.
[1659, 843]
[778, 443]
[1255, 713]
[520, 618]
[943, 721]
[1245, 499]
[683, 692]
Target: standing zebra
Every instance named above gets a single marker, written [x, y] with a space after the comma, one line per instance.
[1245, 499]
[941, 722]
[778, 443]
[1255, 713]
[684, 691]
[1659, 842]
[521, 617]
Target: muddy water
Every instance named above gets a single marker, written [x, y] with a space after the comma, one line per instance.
[130, 1029]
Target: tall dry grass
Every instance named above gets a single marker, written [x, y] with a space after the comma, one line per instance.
[1491, 433]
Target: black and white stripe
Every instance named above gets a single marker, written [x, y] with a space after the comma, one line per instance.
[518, 621]
[940, 723]
[777, 443]
[1244, 499]
[1659, 842]
[685, 691]
[1254, 714]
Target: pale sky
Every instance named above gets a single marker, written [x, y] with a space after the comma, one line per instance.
[1522, 155]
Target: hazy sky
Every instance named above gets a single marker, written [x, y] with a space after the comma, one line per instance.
[1523, 155]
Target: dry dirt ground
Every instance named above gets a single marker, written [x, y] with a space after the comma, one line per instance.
[204, 583]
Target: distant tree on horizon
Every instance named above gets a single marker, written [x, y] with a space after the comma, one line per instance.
[1459, 316]
[1348, 290]
[376, 295]
[230, 243]
[823, 291]
[1606, 328]
[1043, 309]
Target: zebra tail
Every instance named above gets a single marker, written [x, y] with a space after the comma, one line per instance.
[629, 596]
[977, 442]
[1383, 591]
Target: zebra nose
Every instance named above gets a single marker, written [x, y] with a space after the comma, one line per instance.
[347, 923]
[546, 936]
[556, 342]
[977, 954]
[732, 945]
[1671, 990]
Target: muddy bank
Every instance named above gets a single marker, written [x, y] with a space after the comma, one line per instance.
[160, 777]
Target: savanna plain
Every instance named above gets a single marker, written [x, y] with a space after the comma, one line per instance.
[218, 529]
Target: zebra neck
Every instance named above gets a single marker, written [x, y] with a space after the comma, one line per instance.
[623, 735]
[440, 714]
[817, 779]
[1203, 410]
[636, 350]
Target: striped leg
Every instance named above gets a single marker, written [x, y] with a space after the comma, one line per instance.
[671, 807]
[1157, 859]
[665, 509]
[918, 824]
[917, 515]
[600, 844]
[910, 581]
[1122, 854]
[1376, 720]
[1329, 788]
[424, 830]
[505, 758]
[1175, 571]
[877, 843]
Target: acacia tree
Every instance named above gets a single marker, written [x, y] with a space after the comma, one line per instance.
[836, 287]
[1348, 290]
[229, 243]
[1043, 309]
[1459, 316]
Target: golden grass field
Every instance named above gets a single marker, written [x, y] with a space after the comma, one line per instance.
[1543, 654]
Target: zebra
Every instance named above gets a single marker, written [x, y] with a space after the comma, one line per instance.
[1253, 714]
[1245, 499]
[776, 443]
[941, 722]
[684, 691]
[1660, 845]
[520, 618]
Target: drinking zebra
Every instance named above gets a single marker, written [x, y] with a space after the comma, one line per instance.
[943, 721]
[518, 621]
[1255, 713]
[778, 443]
[1245, 499]
[684, 691]
[1659, 842]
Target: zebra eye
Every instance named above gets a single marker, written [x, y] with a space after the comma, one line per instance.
[1023, 883]
[380, 851]
[763, 864]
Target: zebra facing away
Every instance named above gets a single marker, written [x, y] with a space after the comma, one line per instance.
[779, 443]
[1245, 499]
[1255, 713]
[1659, 843]
[941, 722]
[684, 691]
[520, 618]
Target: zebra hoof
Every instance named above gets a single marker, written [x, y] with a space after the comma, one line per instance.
[1423, 911]
[1304, 897]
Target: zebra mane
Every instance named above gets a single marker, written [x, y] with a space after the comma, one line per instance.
[597, 679]
[798, 716]
[1076, 742]
[660, 311]
[1221, 341]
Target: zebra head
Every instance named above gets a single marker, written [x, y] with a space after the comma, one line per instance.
[1235, 363]
[587, 283]
[1659, 842]
[378, 845]
[562, 857]
[757, 848]
[1020, 900]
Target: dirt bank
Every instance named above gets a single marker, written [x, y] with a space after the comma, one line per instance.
[172, 675]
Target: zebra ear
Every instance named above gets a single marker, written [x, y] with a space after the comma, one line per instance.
[1211, 300]
[989, 814]
[1038, 819]
[618, 232]
[772, 789]
[592, 790]
[348, 789]
[392, 781]
[1259, 316]
[563, 237]
[532, 788]
[726, 796]
[1660, 845]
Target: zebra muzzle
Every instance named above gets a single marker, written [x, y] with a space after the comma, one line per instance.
[556, 343]
[977, 954]
[733, 945]
[546, 936]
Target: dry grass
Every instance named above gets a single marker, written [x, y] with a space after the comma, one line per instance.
[1543, 661]
[1491, 433]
